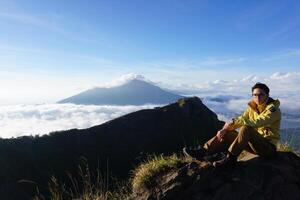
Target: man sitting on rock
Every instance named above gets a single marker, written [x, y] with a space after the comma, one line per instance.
[258, 134]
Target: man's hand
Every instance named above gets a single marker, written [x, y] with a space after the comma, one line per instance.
[221, 133]
[227, 125]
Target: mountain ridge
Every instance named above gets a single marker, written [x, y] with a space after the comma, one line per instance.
[122, 143]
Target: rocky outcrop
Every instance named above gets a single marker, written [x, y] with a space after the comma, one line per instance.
[253, 178]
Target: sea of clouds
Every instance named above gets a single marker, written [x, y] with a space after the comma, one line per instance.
[227, 98]
[21, 120]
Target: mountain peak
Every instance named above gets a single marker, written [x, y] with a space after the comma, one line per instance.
[135, 90]
[126, 78]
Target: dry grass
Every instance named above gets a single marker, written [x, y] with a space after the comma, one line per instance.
[181, 102]
[88, 186]
[286, 147]
[144, 173]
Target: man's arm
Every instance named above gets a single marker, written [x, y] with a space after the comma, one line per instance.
[231, 125]
[238, 122]
[268, 117]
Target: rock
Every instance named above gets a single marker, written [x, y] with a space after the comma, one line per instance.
[253, 178]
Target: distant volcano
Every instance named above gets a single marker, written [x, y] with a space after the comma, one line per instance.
[134, 92]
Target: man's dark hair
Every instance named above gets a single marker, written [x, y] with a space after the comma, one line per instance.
[262, 86]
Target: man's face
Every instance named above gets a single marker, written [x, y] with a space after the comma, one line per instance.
[259, 96]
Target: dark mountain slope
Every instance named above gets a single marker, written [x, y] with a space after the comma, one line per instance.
[119, 144]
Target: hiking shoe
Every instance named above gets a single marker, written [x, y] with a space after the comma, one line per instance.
[198, 153]
[229, 161]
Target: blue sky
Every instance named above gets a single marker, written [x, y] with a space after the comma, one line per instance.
[54, 48]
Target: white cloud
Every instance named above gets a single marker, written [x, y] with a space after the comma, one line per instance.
[126, 78]
[219, 61]
[288, 54]
[19, 120]
[280, 83]
[39, 21]
[236, 94]
[50, 22]
[251, 78]
[292, 77]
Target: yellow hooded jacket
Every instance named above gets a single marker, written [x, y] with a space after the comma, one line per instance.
[264, 118]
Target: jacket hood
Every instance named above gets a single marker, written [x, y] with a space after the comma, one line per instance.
[275, 103]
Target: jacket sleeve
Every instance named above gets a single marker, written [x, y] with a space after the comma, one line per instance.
[265, 118]
[238, 122]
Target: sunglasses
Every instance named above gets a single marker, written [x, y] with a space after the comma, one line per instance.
[259, 95]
